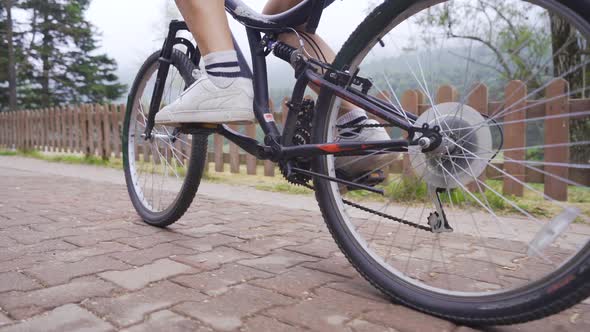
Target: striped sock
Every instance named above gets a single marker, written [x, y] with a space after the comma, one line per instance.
[223, 68]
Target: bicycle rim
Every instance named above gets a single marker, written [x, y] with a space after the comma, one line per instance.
[157, 166]
[502, 216]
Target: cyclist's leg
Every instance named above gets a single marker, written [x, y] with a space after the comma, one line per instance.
[201, 102]
[324, 53]
[318, 48]
[207, 21]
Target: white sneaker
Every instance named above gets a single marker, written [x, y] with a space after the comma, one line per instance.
[204, 102]
[356, 166]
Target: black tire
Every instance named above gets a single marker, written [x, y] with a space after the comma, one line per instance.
[196, 160]
[556, 292]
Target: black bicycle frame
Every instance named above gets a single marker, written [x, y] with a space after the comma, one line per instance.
[276, 147]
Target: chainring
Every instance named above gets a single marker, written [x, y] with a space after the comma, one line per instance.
[301, 136]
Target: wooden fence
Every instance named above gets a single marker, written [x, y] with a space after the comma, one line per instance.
[86, 129]
[95, 130]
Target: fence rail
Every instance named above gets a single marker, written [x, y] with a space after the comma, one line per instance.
[95, 130]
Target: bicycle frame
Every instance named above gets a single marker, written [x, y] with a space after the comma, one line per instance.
[276, 145]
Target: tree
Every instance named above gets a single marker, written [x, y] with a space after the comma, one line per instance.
[10, 62]
[62, 65]
[516, 47]
[569, 46]
[526, 42]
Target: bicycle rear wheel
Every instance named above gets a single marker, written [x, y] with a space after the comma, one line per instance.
[519, 249]
[162, 173]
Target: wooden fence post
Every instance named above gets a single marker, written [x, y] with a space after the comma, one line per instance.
[84, 129]
[234, 154]
[76, 125]
[63, 139]
[28, 117]
[446, 94]
[70, 122]
[478, 99]
[107, 132]
[218, 150]
[3, 129]
[410, 104]
[92, 129]
[250, 159]
[557, 132]
[515, 137]
[117, 129]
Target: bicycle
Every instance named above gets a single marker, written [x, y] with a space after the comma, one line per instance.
[452, 258]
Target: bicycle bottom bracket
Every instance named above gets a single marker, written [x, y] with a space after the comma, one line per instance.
[464, 152]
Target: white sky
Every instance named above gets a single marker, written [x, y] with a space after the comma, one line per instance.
[130, 28]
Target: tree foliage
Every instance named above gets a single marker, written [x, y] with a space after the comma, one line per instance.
[526, 42]
[58, 60]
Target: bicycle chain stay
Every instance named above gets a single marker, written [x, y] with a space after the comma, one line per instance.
[381, 214]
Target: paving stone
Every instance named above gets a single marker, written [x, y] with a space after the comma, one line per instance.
[168, 321]
[336, 265]
[63, 220]
[297, 282]
[226, 312]
[574, 319]
[39, 300]
[98, 236]
[255, 232]
[130, 308]
[23, 263]
[278, 261]
[213, 259]
[143, 242]
[318, 248]
[14, 281]
[203, 230]
[58, 226]
[359, 325]
[263, 323]
[146, 256]
[137, 278]
[329, 310]
[48, 246]
[217, 282]
[207, 243]
[263, 246]
[19, 219]
[5, 241]
[4, 320]
[28, 236]
[54, 273]
[69, 317]
[405, 319]
[360, 287]
[96, 250]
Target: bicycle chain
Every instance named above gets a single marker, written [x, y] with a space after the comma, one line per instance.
[376, 125]
[381, 214]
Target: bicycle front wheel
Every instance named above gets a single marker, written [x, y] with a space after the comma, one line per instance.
[162, 173]
[501, 79]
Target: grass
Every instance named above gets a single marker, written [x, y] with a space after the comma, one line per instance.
[65, 158]
[411, 191]
[407, 190]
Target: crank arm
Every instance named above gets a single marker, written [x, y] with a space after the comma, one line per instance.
[344, 182]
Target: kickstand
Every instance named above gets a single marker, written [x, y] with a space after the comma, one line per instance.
[438, 219]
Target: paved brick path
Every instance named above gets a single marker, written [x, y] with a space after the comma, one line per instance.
[73, 256]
